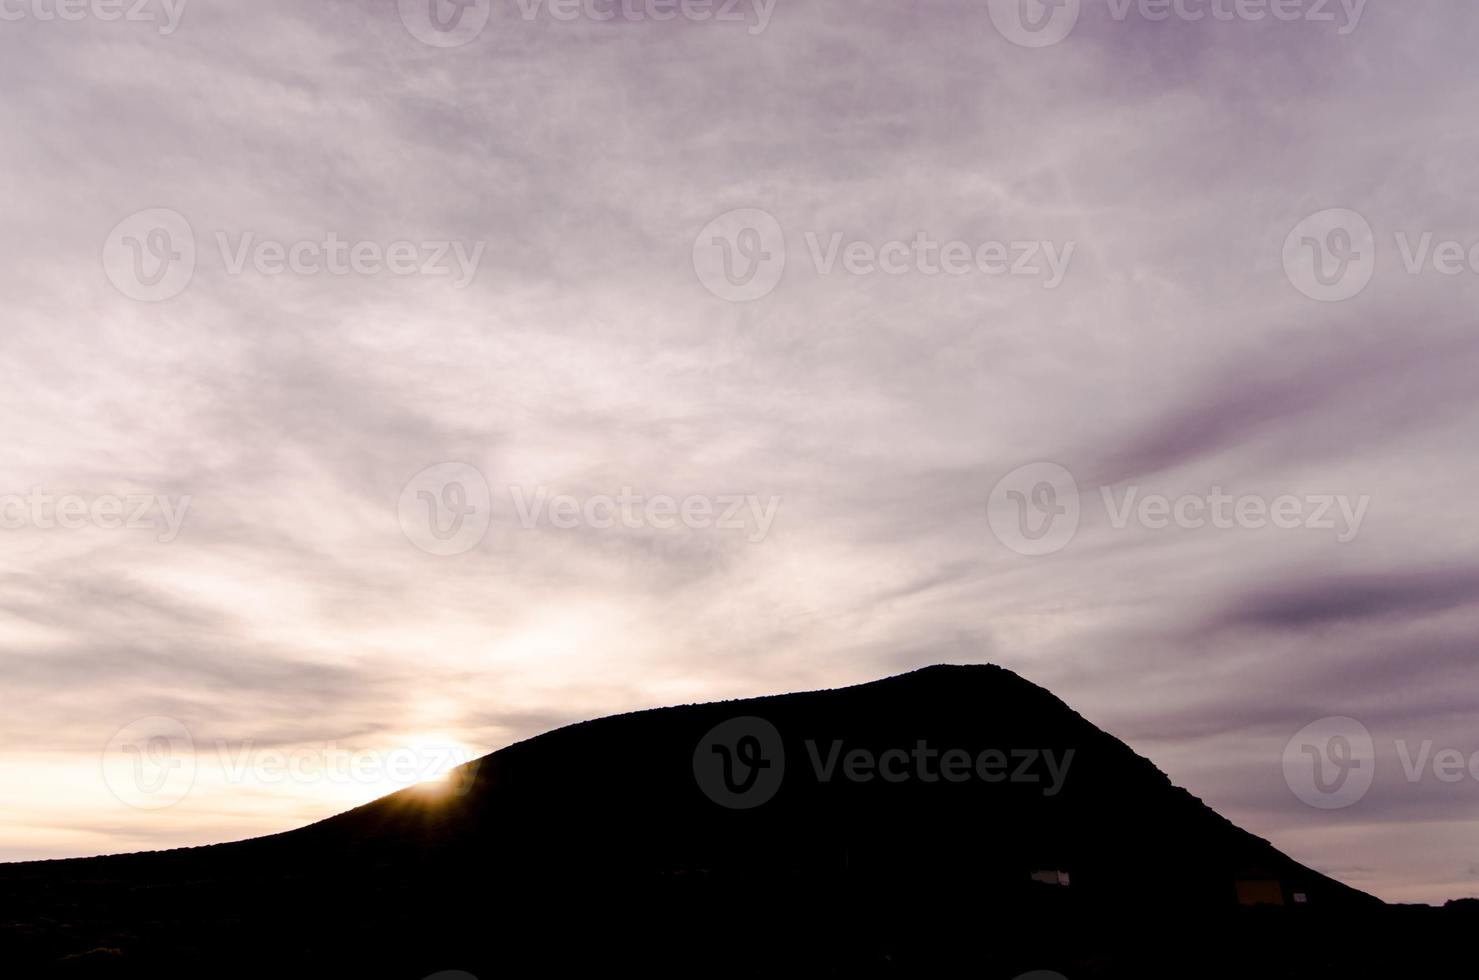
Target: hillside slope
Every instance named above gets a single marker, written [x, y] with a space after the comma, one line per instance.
[880, 828]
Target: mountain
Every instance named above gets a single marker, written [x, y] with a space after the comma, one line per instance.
[951, 818]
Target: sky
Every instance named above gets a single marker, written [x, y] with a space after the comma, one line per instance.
[382, 388]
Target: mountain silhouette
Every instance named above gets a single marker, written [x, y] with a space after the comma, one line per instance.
[956, 817]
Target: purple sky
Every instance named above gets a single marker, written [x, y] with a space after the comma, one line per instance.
[574, 162]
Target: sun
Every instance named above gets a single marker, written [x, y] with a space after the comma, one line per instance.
[436, 756]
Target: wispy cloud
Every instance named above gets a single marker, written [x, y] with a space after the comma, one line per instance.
[585, 356]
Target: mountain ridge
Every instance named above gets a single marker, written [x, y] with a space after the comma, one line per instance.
[636, 831]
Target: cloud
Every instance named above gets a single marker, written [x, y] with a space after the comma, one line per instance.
[1396, 595]
[586, 356]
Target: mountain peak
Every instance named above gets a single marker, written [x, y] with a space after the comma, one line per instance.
[965, 785]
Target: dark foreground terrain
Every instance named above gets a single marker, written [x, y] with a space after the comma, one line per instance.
[808, 834]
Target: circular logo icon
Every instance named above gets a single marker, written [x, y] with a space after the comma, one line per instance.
[740, 255]
[446, 509]
[1034, 23]
[1331, 256]
[150, 763]
[740, 763]
[1034, 510]
[445, 23]
[1331, 763]
[150, 255]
